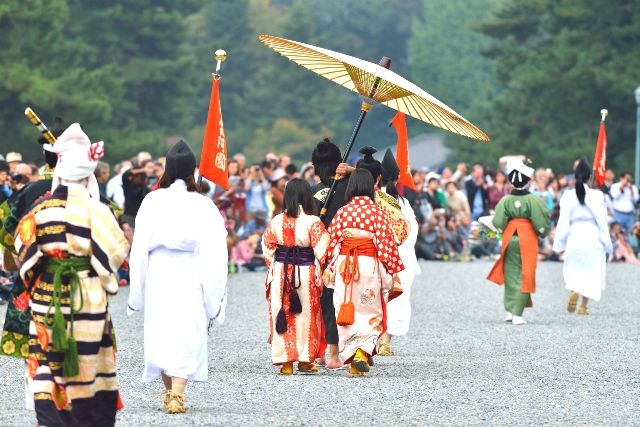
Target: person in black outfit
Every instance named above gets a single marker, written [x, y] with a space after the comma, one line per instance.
[478, 202]
[134, 186]
[326, 160]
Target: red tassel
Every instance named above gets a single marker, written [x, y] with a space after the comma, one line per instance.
[346, 315]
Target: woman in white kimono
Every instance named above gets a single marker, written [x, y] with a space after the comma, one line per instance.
[399, 309]
[583, 235]
[178, 275]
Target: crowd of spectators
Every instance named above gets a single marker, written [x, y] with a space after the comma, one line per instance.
[447, 202]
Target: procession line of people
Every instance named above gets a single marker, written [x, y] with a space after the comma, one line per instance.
[340, 270]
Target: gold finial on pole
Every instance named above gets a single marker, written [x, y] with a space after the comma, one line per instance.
[35, 120]
[220, 56]
[604, 112]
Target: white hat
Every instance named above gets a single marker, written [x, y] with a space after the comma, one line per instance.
[77, 158]
[430, 176]
[13, 157]
[277, 175]
[518, 165]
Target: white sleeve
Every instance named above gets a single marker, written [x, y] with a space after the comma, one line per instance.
[139, 257]
[600, 213]
[564, 225]
[212, 263]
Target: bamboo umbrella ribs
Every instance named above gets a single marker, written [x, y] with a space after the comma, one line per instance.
[377, 85]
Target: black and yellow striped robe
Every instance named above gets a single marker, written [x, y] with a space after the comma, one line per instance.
[71, 223]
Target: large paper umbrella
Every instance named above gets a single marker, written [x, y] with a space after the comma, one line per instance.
[376, 84]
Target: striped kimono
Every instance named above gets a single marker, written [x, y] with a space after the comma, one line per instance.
[70, 228]
[303, 340]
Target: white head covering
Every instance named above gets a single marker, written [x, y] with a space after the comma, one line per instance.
[520, 167]
[77, 158]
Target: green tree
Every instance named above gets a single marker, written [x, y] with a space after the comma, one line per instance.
[558, 63]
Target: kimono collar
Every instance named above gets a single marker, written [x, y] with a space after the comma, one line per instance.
[362, 200]
[179, 184]
[519, 192]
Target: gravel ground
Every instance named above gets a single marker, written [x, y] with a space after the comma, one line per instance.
[460, 365]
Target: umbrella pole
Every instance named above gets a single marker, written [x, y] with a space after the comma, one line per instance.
[364, 109]
[363, 112]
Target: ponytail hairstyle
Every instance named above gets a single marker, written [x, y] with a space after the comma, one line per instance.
[582, 174]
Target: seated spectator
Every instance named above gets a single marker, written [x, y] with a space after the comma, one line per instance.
[433, 194]
[243, 254]
[622, 250]
[432, 243]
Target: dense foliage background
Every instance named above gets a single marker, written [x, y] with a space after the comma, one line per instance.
[532, 73]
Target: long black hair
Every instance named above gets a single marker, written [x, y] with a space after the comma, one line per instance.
[360, 184]
[298, 194]
[582, 174]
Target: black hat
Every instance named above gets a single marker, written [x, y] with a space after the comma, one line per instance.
[390, 169]
[583, 170]
[369, 163]
[180, 162]
[325, 158]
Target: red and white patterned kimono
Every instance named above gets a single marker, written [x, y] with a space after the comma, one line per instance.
[363, 242]
[307, 239]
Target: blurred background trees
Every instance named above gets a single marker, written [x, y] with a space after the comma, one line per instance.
[137, 73]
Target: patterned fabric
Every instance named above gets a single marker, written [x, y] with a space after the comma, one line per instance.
[15, 336]
[362, 214]
[361, 218]
[303, 341]
[399, 224]
[70, 223]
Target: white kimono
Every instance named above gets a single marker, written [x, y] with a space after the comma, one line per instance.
[399, 309]
[178, 275]
[583, 235]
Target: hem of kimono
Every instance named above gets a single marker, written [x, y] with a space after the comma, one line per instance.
[582, 292]
[153, 372]
[294, 360]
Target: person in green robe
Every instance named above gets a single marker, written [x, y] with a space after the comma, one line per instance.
[522, 218]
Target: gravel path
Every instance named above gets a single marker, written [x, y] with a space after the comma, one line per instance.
[460, 365]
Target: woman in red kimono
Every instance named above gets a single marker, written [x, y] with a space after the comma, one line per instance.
[364, 260]
[294, 247]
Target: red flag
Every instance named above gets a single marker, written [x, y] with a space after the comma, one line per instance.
[399, 122]
[600, 159]
[213, 159]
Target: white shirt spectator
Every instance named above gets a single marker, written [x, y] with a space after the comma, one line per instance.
[115, 191]
[624, 201]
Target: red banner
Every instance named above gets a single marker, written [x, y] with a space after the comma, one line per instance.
[600, 158]
[213, 159]
[399, 122]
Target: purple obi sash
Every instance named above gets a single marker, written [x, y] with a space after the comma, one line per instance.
[295, 255]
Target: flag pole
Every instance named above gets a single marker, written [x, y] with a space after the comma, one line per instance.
[220, 56]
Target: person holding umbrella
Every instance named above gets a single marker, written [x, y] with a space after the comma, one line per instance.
[326, 160]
